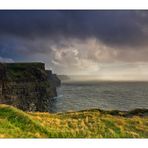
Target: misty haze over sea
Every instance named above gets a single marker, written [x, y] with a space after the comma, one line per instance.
[78, 95]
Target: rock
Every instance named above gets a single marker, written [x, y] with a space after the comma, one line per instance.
[64, 78]
[53, 78]
[27, 86]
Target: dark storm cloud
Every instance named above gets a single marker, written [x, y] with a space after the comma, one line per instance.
[77, 42]
[117, 28]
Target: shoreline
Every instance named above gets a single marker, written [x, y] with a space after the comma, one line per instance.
[142, 112]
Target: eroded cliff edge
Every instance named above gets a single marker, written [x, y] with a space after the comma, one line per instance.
[27, 86]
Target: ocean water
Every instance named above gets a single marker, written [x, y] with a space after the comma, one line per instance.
[104, 95]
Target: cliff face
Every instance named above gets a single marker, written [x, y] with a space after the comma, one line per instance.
[27, 86]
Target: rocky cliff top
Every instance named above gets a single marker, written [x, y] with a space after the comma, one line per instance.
[23, 72]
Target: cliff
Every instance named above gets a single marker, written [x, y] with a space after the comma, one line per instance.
[27, 86]
[64, 78]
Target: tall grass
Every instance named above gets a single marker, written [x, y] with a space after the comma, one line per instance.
[15, 123]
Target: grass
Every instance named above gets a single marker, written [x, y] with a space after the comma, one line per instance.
[15, 123]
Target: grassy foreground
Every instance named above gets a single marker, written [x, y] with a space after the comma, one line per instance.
[15, 123]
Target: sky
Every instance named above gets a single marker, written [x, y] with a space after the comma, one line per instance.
[104, 44]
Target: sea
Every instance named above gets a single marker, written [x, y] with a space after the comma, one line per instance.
[124, 96]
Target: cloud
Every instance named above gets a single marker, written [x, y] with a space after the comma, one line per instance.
[77, 42]
[6, 60]
[92, 57]
[115, 28]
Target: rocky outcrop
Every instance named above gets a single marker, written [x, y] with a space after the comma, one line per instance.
[53, 78]
[27, 86]
[64, 78]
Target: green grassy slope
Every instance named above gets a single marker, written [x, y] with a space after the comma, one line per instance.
[15, 123]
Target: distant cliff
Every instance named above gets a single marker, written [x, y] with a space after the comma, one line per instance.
[27, 86]
[64, 78]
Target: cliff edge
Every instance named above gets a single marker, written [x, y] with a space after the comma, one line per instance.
[27, 86]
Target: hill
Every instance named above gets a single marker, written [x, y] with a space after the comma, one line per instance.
[95, 123]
